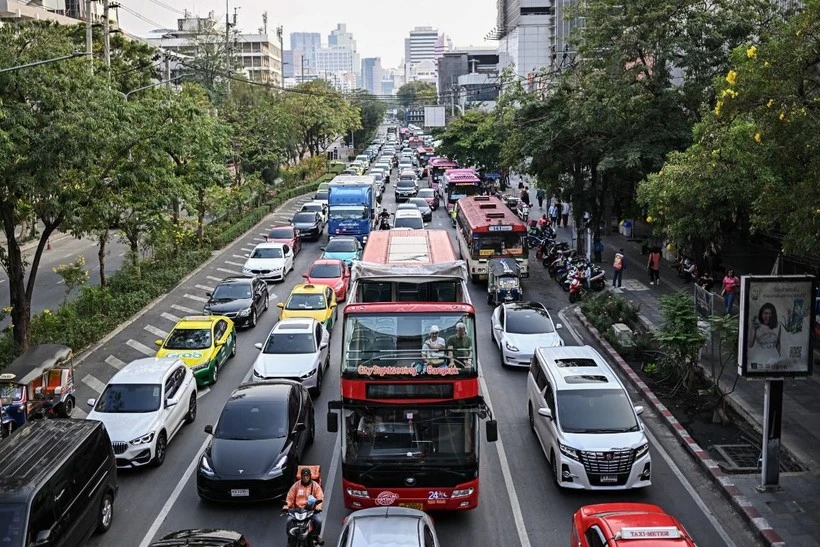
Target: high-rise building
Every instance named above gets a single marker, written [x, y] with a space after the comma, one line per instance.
[372, 75]
[420, 46]
[340, 37]
[334, 59]
[63, 12]
[308, 43]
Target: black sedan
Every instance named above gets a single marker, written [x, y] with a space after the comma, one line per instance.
[202, 538]
[309, 224]
[424, 208]
[257, 443]
[243, 299]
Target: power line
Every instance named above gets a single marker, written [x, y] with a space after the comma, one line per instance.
[140, 16]
[166, 6]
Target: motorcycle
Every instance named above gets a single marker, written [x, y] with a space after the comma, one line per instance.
[384, 223]
[300, 532]
[576, 290]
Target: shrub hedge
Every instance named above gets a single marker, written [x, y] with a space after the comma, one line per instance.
[95, 311]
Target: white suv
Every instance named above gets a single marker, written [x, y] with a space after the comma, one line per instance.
[585, 421]
[143, 406]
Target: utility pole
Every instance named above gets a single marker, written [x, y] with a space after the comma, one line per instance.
[106, 37]
[280, 32]
[228, 44]
[168, 70]
[303, 68]
[89, 43]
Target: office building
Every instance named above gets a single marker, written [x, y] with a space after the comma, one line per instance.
[340, 37]
[334, 59]
[419, 46]
[309, 44]
[63, 12]
[372, 75]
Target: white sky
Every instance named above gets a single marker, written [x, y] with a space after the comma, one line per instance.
[379, 27]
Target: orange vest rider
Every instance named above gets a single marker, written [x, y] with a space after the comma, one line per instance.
[299, 492]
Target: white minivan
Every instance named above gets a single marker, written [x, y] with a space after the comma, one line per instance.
[585, 421]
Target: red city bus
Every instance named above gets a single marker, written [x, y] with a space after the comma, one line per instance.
[486, 228]
[460, 183]
[438, 165]
[409, 409]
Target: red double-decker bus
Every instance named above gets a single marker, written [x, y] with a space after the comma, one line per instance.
[410, 404]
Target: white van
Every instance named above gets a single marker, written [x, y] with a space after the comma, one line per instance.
[585, 421]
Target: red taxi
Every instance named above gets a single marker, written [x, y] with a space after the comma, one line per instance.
[287, 235]
[627, 524]
[331, 272]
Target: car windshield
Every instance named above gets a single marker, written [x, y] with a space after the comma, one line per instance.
[321, 195]
[251, 421]
[281, 342]
[528, 321]
[267, 252]
[347, 212]
[414, 222]
[304, 218]
[129, 398]
[427, 193]
[232, 291]
[406, 183]
[12, 524]
[312, 207]
[301, 301]
[11, 392]
[325, 271]
[281, 233]
[420, 203]
[595, 411]
[337, 245]
[189, 339]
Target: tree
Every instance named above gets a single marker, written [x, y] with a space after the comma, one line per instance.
[321, 114]
[372, 113]
[56, 126]
[212, 60]
[473, 139]
[413, 94]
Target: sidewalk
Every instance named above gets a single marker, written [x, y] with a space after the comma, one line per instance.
[794, 512]
[32, 244]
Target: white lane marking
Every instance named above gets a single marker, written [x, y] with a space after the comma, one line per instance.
[142, 348]
[568, 326]
[203, 392]
[232, 272]
[515, 506]
[241, 257]
[259, 239]
[169, 503]
[61, 282]
[656, 444]
[204, 288]
[155, 331]
[2, 280]
[195, 298]
[170, 317]
[239, 264]
[115, 362]
[121, 254]
[78, 413]
[331, 477]
[246, 250]
[212, 278]
[263, 234]
[93, 383]
[183, 309]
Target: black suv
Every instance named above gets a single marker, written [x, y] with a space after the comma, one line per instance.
[243, 299]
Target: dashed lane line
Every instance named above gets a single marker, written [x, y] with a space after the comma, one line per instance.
[202, 392]
[246, 250]
[170, 317]
[156, 332]
[142, 348]
[195, 298]
[184, 309]
[96, 385]
[259, 239]
[212, 278]
[240, 256]
[227, 271]
[238, 264]
[205, 288]
[115, 362]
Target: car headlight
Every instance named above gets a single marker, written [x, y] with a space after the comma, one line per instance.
[200, 366]
[205, 467]
[510, 347]
[309, 374]
[278, 468]
[641, 450]
[244, 313]
[246, 270]
[568, 451]
[339, 286]
[145, 439]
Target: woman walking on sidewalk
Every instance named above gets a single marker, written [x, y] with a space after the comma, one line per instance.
[618, 268]
[731, 284]
[654, 266]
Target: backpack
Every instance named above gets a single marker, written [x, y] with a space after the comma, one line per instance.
[618, 263]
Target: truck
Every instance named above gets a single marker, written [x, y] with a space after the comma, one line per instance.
[352, 203]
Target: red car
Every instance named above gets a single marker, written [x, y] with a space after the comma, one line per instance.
[633, 524]
[331, 272]
[287, 235]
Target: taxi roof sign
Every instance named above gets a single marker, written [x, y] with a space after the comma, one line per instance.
[655, 532]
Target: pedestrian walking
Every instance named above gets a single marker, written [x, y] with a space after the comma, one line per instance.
[539, 195]
[565, 213]
[525, 196]
[654, 265]
[618, 268]
[598, 249]
[553, 213]
[731, 285]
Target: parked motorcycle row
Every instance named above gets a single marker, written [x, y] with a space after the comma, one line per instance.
[576, 274]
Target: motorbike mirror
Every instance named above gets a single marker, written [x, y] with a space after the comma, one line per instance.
[492, 431]
[559, 326]
[91, 402]
[209, 429]
[332, 422]
[208, 293]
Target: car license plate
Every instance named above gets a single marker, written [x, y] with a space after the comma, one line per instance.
[240, 492]
[417, 506]
[609, 478]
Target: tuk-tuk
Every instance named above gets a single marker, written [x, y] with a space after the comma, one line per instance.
[503, 281]
[38, 384]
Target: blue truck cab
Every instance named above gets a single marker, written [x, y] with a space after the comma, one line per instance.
[352, 203]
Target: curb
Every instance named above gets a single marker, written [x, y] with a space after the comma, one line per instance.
[148, 307]
[740, 502]
[29, 245]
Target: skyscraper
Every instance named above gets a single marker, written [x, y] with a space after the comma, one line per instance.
[420, 46]
[308, 43]
[372, 75]
[340, 37]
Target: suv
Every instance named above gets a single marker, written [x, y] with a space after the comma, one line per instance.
[408, 219]
[406, 187]
[58, 482]
[585, 421]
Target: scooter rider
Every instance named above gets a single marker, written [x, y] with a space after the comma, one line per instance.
[298, 496]
[384, 219]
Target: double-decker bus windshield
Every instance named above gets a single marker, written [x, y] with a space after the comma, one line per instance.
[410, 434]
[403, 345]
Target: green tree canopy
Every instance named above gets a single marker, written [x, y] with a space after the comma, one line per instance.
[417, 94]
[473, 139]
[372, 113]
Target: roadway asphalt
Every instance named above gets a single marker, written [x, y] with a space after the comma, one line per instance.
[49, 290]
[519, 505]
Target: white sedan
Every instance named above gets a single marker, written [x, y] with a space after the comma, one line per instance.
[296, 349]
[269, 261]
[519, 328]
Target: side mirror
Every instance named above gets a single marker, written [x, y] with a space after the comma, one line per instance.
[208, 293]
[170, 402]
[301, 426]
[43, 538]
[280, 305]
[639, 410]
[158, 342]
[322, 248]
[91, 402]
[258, 345]
[559, 326]
[324, 344]
[333, 306]
[248, 255]
[305, 276]
[209, 429]
[332, 422]
[545, 412]
[492, 431]
[220, 343]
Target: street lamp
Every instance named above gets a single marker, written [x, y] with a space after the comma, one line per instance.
[38, 63]
[126, 95]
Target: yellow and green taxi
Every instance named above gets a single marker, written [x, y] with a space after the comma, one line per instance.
[308, 300]
[204, 343]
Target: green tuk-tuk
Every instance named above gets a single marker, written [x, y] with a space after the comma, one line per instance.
[503, 281]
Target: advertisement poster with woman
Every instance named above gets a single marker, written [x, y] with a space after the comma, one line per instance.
[776, 326]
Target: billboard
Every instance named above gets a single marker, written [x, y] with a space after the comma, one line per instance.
[434, 116]
[776, 338]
